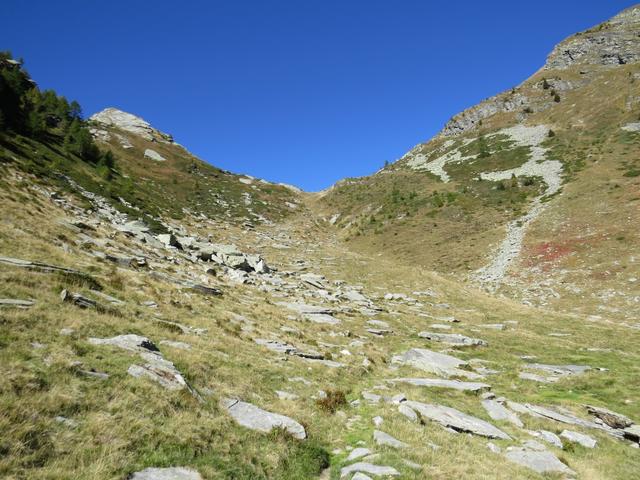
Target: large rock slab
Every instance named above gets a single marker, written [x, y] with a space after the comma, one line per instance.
[171, 473]
[256, 418]
[369, 468]
[452, 339]
[538, 461]
[457, 420]
[497, 411]
[441, 383]
[434, 362]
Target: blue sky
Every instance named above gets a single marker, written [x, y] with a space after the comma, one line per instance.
[304, 92]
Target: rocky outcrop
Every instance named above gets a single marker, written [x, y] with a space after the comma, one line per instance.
[613, 42]
[130, 123]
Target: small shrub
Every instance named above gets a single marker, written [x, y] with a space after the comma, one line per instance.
[335, 399]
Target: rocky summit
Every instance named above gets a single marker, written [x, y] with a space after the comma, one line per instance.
[471, 310]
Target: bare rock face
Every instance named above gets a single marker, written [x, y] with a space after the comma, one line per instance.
[613, 42]
[130, 123]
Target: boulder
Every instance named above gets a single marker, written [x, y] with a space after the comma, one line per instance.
[255, 418]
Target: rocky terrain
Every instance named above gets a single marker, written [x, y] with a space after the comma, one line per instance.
[167, 320]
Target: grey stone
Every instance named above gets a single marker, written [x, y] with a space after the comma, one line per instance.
[385, 440]
[378, 420]
[360, 476]
[498, 412]
[255, 418]
[408, 412]
[16, 303]
[441, 383]
[541, 462]
[371, 397]
[171, 473]
[434, 362]
[371, 469]
[357, 453]
[457, 420]
[577, 437]
[159, 370]
[452, 339]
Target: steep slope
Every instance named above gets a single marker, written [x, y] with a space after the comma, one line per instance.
[528, 192]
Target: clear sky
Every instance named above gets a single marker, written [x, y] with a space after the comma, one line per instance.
[304, 92]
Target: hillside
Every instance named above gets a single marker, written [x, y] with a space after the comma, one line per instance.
[163, 319]
[529, 192]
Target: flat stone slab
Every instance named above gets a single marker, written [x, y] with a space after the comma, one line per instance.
[385, 440]
[497, 411]
[434, 362]
[369, 468]
[452, 339]
[171, 473]
[357, 453]
[303, 308]
[457, 420]
[538, 461]
[441, 383]
[256, 418]
[16, 303]
[580, 438]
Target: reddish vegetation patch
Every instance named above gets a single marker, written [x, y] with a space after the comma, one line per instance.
[546, 253]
